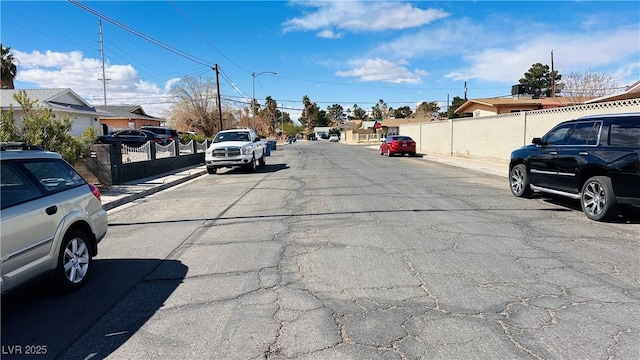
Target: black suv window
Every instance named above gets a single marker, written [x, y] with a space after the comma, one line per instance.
[625, 133]
[559, 135]
[586, 133]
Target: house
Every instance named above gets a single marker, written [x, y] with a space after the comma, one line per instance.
[122, 117]
[391, 126]
[497, 106]
[61, 102]
[631, 92]
[321, 132]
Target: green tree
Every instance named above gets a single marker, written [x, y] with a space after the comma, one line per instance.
[269, 115]
[335, 113]
[40, 128]
[455, 104]
[291, 129]
[428, 109]
[305, 118]
[402, 112]
[380, 110]
[9, 67]
[540, 77]
[359, 113]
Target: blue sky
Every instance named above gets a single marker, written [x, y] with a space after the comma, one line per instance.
[334, 52]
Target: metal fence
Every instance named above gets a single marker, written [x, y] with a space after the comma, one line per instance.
[135, 153]
[143, 152]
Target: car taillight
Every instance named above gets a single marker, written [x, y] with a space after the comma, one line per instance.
[95, 191]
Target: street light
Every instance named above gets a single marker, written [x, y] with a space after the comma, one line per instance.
[253, 105]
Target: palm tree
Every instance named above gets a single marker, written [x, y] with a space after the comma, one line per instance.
[9, 68]
[307, 109]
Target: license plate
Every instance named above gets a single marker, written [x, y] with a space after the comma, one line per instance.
[404, 144]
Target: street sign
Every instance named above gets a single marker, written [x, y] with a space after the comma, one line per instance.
[378, 126]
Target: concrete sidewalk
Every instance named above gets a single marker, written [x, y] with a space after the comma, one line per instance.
[118, 195]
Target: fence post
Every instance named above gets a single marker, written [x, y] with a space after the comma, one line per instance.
[152, 148]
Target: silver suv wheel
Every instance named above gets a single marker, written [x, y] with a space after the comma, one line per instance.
[74, 261]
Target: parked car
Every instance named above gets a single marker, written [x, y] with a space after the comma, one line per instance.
[52, 219]
[130, 137]
[594, 159]
[398, 144]
[166, 134]
[334, 138]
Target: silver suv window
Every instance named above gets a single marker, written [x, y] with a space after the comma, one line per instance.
[16, 188]
[20, 178]
[54, 175]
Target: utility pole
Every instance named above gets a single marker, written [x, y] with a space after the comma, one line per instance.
[218, 91]
[104, 78]
[553, 78]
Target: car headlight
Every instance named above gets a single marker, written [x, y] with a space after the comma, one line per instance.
[247, 151]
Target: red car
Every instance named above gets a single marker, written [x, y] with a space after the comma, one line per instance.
[398, 144]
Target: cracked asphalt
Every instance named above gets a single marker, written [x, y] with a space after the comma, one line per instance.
[334, 252]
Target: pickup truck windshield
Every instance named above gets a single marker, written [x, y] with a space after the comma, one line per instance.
[231, 136]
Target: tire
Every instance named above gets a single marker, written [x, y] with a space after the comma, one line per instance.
[212, 170]
[74, 261]
[598, 200]
[519, 181]
[262, 162]
[388, 152]
[251, 167]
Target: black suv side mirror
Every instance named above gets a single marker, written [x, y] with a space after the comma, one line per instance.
[537, 141]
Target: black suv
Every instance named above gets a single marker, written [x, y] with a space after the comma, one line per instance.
[594, 159]
[167, 135]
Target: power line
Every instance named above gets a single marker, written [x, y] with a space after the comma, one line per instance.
[143, 36]
[204, 37]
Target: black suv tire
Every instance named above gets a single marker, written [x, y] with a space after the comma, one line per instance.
[519, 181]
[597, 199]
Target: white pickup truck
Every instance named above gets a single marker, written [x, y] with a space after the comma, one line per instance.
[235, 148]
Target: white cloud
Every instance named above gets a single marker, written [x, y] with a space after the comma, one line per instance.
[382, 70]
[448, 38]
[83, 75]
[361, 16]
[572, 52]
[328, 34]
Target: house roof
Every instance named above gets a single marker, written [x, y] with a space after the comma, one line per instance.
[62, 100]
[126, 111]
[404, 121]
[503, 102]
[631, 92]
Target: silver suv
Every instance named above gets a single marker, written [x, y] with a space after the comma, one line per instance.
[51, 220]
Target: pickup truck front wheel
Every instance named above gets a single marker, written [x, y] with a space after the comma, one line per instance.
[251, 167]
[212, 170]
[262, 161]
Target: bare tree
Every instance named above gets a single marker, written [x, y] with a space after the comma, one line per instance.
[196, 106]
[588, 84]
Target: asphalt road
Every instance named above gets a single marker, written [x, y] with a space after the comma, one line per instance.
[334, 252]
